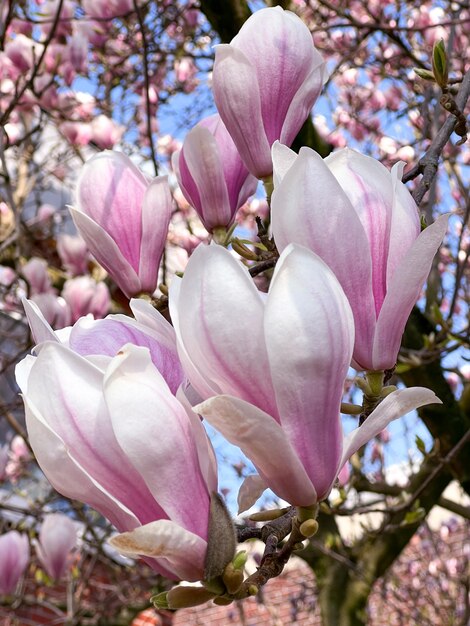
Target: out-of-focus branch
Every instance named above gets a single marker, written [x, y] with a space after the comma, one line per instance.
[427, 165]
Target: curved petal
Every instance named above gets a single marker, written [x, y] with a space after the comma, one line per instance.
[283, 159]
[403, 292]
[309, 332]
[204, 387]
[203, 160]
[41, 330]
[395, 405]
[264, 442]
[304, 99]
[67, 476]
[251, 490]
[221, 326]
[405, 227]
[156, 436]
[74, 408]
[157, 206]
[110, 191]
[178, 549]
[107, 253]
[205, 451]
[310, 208]
[233, 75]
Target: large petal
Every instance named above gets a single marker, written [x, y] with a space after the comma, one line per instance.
[204, 387]
[368, 185]
[179, 550]
[405, 227]
[310, 208]
[221, 325]
[66, 390]
[107, 253]
[234, 75]
[403, 292]
[157, 206]
[395, 405]
[156, 436]
[67, 476]
[264, 442]
[309, 332]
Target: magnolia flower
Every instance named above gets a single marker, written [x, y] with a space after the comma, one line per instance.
[14, 558]
[361, 220]
[110, 432]
[276, 366]
[211, 174]
[123, 219]
[265, 84]
[57, 539]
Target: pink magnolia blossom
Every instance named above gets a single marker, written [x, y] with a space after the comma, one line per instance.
[211, 174]
[84, 295]
[57, 538]
[113, 435]
[361, 220]
[124, 219]
[73, 253]
[14, 558]
[35, 272]
[265, 84]
[105, 132]
[276, 366]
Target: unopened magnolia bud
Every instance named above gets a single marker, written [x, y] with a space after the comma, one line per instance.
[309, 527]
[426, 74]
[439, 64]
[184, 597]
[350, 409]
[160, 601]
[253, 590]
[239, 560]
[243, 251]
[265, 516]
[233, 578]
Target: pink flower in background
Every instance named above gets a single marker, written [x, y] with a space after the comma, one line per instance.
[361, 220]
[276, 366]
[57, 539]
[124, 219]
[35, 272]
[265, 84]
[14, 558]
[84, 295]
[73, 253]
[105, 132]
[211, 174]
